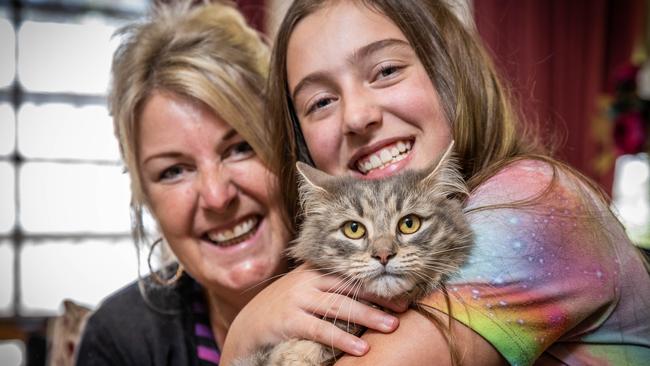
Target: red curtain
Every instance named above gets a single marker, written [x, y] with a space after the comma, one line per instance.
[254, 11]
[559, 56]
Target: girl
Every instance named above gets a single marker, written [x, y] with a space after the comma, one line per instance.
[371, 88]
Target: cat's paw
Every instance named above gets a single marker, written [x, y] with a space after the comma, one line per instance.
[300, 353]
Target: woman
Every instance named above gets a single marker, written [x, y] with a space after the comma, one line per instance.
[187, 105]
[552, 278]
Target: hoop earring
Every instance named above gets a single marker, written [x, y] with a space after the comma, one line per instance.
[156, 277]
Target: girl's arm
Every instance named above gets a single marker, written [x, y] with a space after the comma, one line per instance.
[293, 307]
[429, 347]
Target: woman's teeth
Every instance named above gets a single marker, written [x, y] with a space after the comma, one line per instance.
[386, 156]
[235, 235]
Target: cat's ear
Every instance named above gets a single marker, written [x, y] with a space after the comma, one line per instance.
[312, 177]
[445, 173]
[436, 167]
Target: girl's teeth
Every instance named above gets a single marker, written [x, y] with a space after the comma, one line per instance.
[385, 156]
[401, 147]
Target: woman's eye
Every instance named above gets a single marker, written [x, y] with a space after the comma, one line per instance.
[240, 150]
[171, 173]
[354, 230]
[409, 224]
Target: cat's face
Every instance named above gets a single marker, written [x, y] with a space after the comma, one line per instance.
[391, 236]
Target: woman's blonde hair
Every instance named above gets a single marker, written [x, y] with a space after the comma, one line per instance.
[206, 53]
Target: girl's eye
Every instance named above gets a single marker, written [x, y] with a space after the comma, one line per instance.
[240, 150]
[409, 224]
[354, 230]
[171, 173]
[386, 71]
[319, 104]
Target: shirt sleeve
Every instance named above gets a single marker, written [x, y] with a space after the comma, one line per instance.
[538, 268]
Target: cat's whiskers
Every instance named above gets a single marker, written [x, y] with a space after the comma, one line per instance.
[270, 279]
[344, 284]
[451, 249]
[355, 293]
[355, 296]
[441, 268]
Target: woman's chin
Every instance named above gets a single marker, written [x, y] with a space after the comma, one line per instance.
[250, 274]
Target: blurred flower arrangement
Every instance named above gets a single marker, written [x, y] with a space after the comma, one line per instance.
[630, 110]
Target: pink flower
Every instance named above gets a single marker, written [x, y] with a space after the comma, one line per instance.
[629, 133]
[625, 74]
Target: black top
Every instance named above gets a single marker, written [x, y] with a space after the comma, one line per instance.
[170, 328]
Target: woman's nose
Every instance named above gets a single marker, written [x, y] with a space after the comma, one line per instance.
[217, 191]
[361, 113]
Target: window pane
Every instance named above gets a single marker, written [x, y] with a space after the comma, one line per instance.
[6, 278]
[85, 272]
[8, 54]
[124, 5]
[11, 353]
[74, 197]
[65, 131]
[7, 129]
[7, 207]
[631, 196]
[80, 53]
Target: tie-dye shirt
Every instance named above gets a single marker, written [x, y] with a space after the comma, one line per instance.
[556, 279]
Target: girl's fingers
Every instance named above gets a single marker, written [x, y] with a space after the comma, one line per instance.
[329, 283]
[338, 285]
[344, 308]
[330, 335]
[397, 305]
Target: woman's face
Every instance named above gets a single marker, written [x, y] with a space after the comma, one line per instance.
[365, 103]
[210, 194]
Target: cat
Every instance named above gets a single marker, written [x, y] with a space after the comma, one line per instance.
[64, 333]
[397, 237]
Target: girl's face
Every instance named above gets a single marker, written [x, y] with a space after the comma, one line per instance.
[210, 194]
[365, 103]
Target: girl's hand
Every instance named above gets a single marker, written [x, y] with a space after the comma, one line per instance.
[293, 307]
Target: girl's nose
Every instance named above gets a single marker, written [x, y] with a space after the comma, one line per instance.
[360, 112]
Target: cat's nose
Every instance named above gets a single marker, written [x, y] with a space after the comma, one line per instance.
[383, 255]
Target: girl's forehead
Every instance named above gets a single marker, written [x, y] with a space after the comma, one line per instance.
[334, 35]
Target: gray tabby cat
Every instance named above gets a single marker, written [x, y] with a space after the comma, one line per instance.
[400, 236]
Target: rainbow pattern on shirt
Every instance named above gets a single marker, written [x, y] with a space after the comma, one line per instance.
[556, 278]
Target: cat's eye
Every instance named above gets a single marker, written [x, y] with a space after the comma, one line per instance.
[409, 224]
[354, 230]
